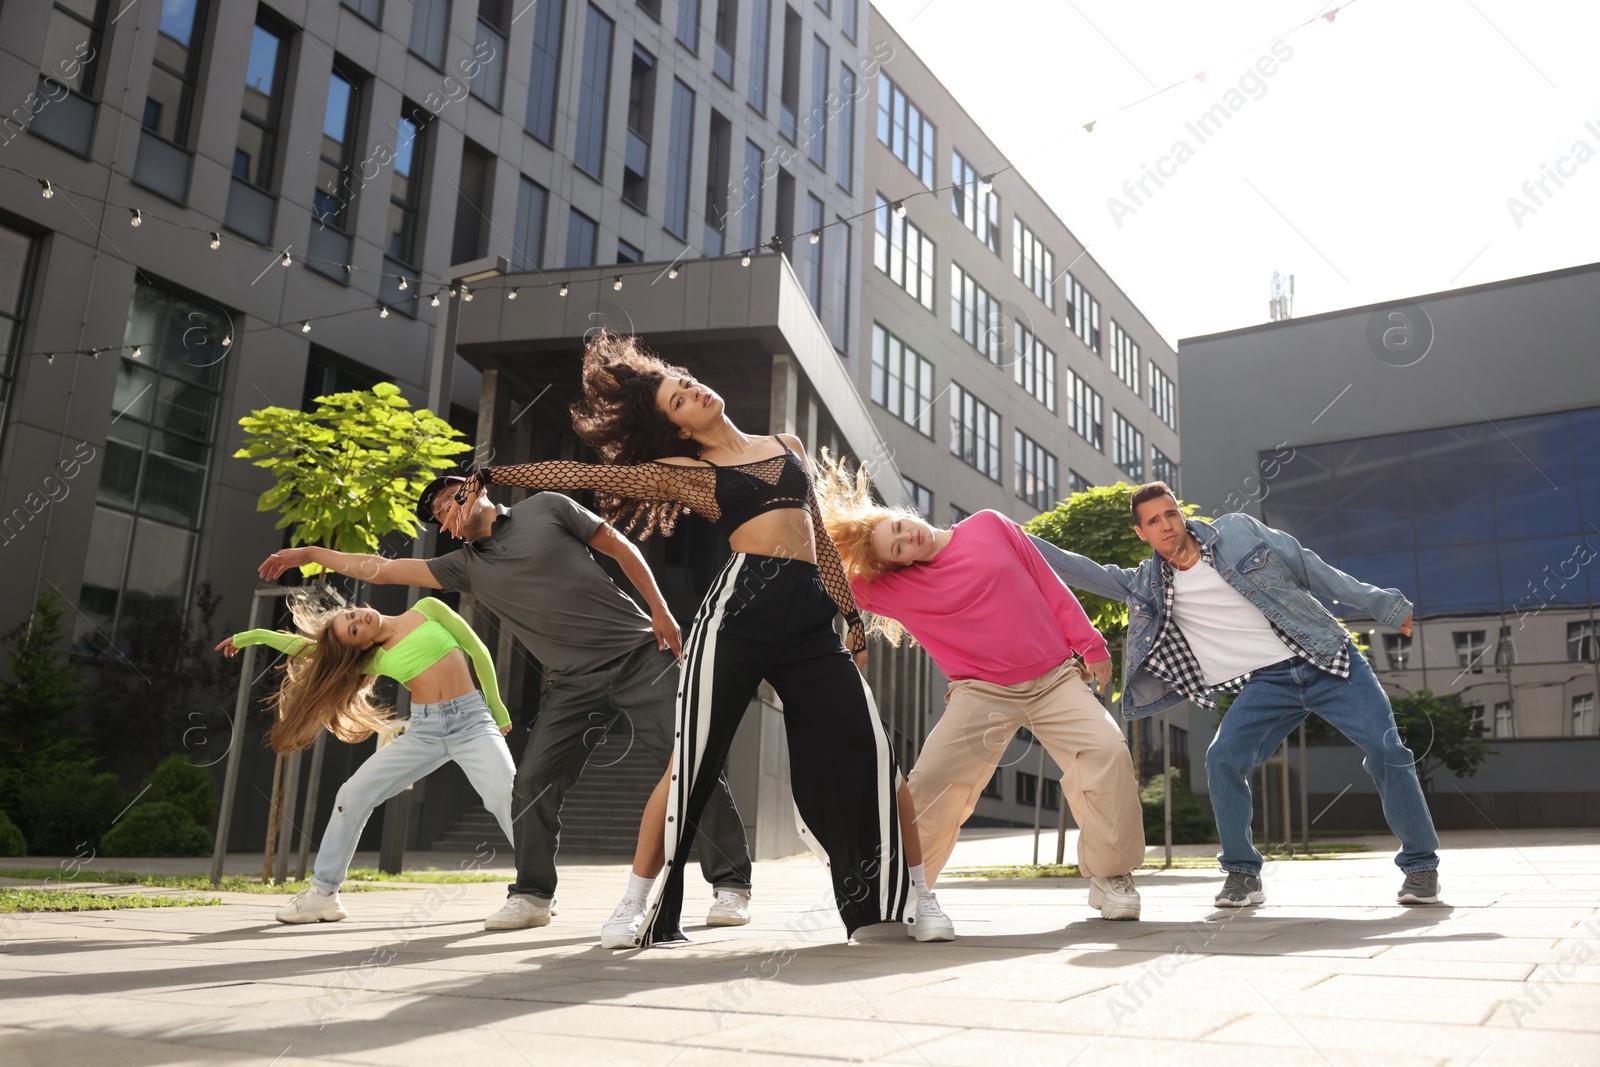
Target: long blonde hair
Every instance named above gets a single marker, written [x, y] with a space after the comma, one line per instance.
[850, 514]
[325, 687]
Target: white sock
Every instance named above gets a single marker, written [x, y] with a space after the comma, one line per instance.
[638, 888]
[917, 879]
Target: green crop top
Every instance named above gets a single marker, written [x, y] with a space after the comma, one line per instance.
[412, 654]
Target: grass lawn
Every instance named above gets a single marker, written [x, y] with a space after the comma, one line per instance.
[234, 883]
[14, 900]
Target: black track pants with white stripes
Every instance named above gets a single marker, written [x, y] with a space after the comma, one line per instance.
[772, 618]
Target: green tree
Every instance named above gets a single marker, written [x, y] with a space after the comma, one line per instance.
[1441, 734]
[42, 688]
[1097, 523]
[349, 470]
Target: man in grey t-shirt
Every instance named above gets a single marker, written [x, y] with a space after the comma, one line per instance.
[602, 658]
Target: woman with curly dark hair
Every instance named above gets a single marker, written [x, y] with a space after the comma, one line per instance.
[669, 448]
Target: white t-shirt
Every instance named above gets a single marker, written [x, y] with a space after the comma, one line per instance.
[1228, 634]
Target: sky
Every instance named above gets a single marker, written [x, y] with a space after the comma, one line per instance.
[1373, 157]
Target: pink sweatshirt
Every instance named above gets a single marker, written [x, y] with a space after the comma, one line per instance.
[987, 606]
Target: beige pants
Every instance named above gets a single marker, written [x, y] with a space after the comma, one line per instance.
[1097, 780]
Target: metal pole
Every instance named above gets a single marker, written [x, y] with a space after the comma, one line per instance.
[230, 776]
[1061, 833]
[1038, 805]
[308, 817]
[1283, 785]
[1305, 796]
[286, 826]
[1166, 782]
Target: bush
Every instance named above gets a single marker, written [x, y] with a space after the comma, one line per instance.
[1192, 824]
[66, 808]
[177, 781]
[12, 842]
[159, 829]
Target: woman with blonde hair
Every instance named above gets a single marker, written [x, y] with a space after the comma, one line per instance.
[334, 662]
[1004, 629]
[670, 447]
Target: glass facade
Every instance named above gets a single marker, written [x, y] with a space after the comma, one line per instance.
[1484, 518]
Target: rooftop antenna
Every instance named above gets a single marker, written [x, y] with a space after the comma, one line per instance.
[1281, 306]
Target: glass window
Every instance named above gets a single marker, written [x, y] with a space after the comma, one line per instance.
[1586, 446]
[1128, 447]
[1034, 366]
[750, 201]
[472, 204]
[789, 76]
[1077, 483]
[904, 253]
[489, 51]
[1470, 649]
[175, 70]
[957, 513]
[902, 381]
[1299, 500]
[727, 35]
[627, 253]
[1582, 646]
[527, 250]
[1125, 357]
[689, 24]
[847, 127]
[811, 252]
[593, 93]
[1035, 472]
[371, 10]
[680, 153]
[849, 13]
[430, 23]
[905, 130]
[405, 194]
[1083, 314]
[1386, 570]
[974, 202]
[1373, 495]
[921, 497]
[546, 68]
[1452, 497]
[1583, 715]
[1456, 579]
[1504, 725]
[817, 121]
[974, 432]
[72, 44]
[1033, 263]
[17, 264]
[1027, 786]
[1531, 461]
[975, 315]
[1084, 411]
[719, 157]
[842, 245]
[760, 45]
[1544, 572]
[581, 231]
[1162, 469]
[1163, 397]
[331, 201]
[253, 157]
[1397, 651]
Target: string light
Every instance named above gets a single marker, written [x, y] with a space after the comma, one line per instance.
[45, 190]
[986, 184]
[563, 288]
[286, 258]
[404, 285]
[744, 261]
[227, 340]
[50, 358]
[673, 273]
[452, 292]
[305, 327]
[512, 295]
[383, 312]
[466, 294]
[216, 240]
[137, 350]
[899, 209]
[435, 301]
[94, 354]
[138, 219]
[347, 269]
[816, 235]
[618, 283]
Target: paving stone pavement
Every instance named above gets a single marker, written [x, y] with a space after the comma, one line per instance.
[1330, 972]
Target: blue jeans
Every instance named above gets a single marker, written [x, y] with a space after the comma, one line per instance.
[1273, 702]
[461, 729]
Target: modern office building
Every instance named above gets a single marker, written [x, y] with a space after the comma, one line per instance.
[207, 208]
[1446, 445]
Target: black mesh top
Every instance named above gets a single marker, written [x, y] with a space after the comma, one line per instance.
[729, 496]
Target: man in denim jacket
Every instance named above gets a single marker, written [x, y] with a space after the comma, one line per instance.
[1229, 605]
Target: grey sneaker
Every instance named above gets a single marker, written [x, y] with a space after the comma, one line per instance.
[1241, 891]
[1420, 887]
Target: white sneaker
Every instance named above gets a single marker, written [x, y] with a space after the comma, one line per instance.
[1115, 897]
[731, 908]
[312, 905]
[622, 929]
[928, 922]
[520, 912]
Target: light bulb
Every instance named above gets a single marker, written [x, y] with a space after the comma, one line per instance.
[435, 301]
[94, 354]
[216, 240]
[227, 340]
[50, 358]
[404, 285]
[286, 259]
[45, 190]
[466, 294]
[138, 219]
[745, 261]
[563, 288]
[673, 273]
[618, 283]
[137, 351]
[900, 209]
[383, 312]
[816, 235]
[512, 295]
[305, 327]
[452, 292]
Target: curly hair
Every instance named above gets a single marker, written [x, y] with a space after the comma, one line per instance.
[850, 514]
[617, 415]
[325, 687]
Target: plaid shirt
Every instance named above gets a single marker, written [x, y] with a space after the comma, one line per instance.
[1172, 660]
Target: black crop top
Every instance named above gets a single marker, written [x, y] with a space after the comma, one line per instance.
[728, 496]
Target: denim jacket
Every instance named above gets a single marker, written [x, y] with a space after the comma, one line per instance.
[1267, 567]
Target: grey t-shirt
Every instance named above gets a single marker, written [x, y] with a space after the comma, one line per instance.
[534, 570]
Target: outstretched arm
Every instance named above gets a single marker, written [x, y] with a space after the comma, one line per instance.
[694, 486]
[1081, 572]
[379, 570]
[473, 646]
[287, 643]
[1388, 606]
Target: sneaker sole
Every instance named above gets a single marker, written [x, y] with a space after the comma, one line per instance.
[307, 920]
[526, 924]
[618, 941]
[1248, 902]
[1411, 898]
[1097, 900]
[726, 920]
[927, 934]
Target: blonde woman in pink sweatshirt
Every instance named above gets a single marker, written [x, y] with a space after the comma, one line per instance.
[1009, 635]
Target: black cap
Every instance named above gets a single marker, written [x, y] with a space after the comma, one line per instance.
[425, 501]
